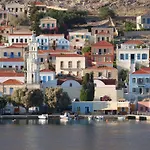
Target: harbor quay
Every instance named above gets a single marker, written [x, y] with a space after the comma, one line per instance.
[105, 117]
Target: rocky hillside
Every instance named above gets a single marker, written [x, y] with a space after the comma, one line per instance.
[121, 7]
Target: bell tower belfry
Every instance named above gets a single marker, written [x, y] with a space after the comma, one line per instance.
[33, 68]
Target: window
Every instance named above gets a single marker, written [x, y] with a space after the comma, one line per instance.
[122, 56]
[100, 51]
[147, 90]
[12, 54]
[48, 25]
[126, 56]
[78, 64]
[42, 59]
[20, 9]
[61, 64]
[10, 66]
[82, 36]
[143, 21]
[11, 90]
[134, 90]
[21, 40]
[70, 85]
[103, 38]
[147, 80]
[16, 40]
[99, 74]
[109, 75]
[5, 54]
[19, 54]
[70, 64]
[133, 80]
[104, 51]
[25, 40]
[12, 40]
[52, 25]
[43, 25]
[49, 78]
[144, 56]
[44, 79]
[4, 90]
[16, 9]
[148, 20]
[96, 31]
[4, 66]
[138, 56]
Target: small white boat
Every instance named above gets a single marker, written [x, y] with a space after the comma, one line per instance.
[98, 118]
[90, 118]
[43, 116]
[65, 117]
[121, 118]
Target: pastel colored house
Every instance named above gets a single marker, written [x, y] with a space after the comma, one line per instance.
[48, 23]
[79, 38]
[100, 107]
[72, 64]
[143, 21]
[16, 8]
[144, 106]
[102, 72]
[49, 41]
[139, 84]
[132, 53]
[102, 54]
[102, 34]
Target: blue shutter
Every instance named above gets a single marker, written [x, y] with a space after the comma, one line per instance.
[49, 78]
[44, 79]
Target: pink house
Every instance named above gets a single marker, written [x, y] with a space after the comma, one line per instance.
[144, 106]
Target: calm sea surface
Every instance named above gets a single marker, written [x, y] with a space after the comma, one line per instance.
[75, 135]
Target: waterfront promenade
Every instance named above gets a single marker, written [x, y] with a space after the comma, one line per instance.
[56, 116]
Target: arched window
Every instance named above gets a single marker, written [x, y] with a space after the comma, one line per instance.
[5, 53]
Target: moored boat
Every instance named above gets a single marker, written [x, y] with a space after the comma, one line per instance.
[43, 116]
[65, 117]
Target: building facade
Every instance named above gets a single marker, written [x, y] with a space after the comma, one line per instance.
[131, 54]
[143, 22]
[102, 54]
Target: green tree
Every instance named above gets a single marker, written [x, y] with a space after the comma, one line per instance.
[86, 49]
[106, 12]
[28, 97]
[88, 89]
[129, 26]
[3, 103]
[57, 99]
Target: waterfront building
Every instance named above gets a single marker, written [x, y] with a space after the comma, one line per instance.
[131, 54]
[139, 84]
[102, 54]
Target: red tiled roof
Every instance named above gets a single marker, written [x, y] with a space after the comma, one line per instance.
[52, 35]
[103, 43]
[67, 55]
[12, 46]
[103, 33]
[142, 71]
[54, 51]
[137, 42]
[61, 81]
[46, 70]
[20, 34]
[10, 73]
[12, 82]
[101, 68]
[109, 81]
[11, 60]
[39, 3]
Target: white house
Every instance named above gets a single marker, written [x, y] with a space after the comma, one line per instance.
[143, 21]
[132, 53]
[19, 38]
[47, 41]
